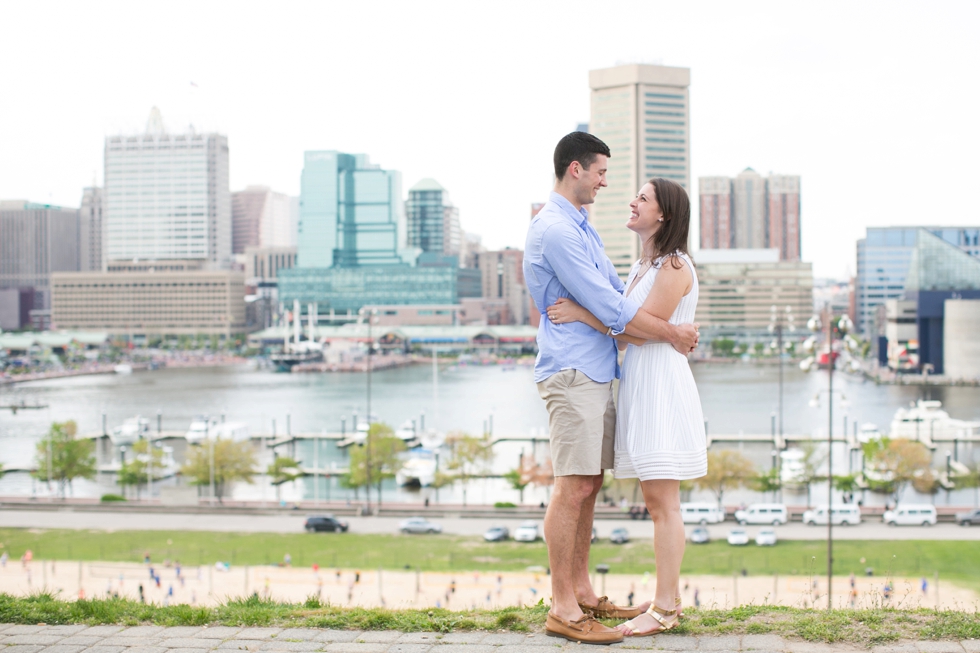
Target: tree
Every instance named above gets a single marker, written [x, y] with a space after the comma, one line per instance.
[62, 458]
[900, 462]
[767, 482]
[723, 347]
[469, 456]
[384, 462]
[233, 461]
[136, 470]
[727, 470]
[283, 470]
[522, 476]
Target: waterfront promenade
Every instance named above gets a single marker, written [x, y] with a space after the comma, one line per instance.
[194, 639]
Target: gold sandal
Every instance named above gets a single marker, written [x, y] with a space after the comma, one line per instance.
[659, 615]
[678, 607]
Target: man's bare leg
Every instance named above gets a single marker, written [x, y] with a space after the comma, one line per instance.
[568, 501]
[584, 592]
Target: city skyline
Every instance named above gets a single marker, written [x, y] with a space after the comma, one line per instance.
[820, 96]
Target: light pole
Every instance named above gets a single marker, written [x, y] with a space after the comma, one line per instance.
[776, 320]
[369, 313]
[949, 471]
[840, 327]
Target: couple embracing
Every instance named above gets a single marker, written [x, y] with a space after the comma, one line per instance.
[656, 433]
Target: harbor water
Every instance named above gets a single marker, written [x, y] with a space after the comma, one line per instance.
[737, 398]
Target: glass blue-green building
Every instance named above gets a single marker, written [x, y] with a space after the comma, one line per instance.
[883, 259]
[352, 246]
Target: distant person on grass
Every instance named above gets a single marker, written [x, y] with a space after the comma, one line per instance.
[564, 258]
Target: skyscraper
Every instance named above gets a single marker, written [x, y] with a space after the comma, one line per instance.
[35, 241]
[717, 228]
[261, 217]
[91, 254]
[433, 222]
[751, 212]
[883, 259]
[642, 113]
[167, 196]
[350, 213]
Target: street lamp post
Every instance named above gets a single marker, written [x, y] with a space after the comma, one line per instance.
[840, 327]
[369, 313]
[776, 320]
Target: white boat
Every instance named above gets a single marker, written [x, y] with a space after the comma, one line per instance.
[199, 429]
[419, 469]
[406, 432]
[925, 421]
[130, 431]
[123, 368]
[203, 428]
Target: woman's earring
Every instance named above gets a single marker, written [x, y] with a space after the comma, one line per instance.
[660, 220]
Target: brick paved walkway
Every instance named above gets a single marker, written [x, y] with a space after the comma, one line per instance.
[157, 639]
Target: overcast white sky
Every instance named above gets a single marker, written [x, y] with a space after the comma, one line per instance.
[874, 104]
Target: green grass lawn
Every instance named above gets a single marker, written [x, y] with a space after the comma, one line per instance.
[864, 627]
[958, 561]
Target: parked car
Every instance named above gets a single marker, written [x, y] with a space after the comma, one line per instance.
[766, 537]
[619, 536]
[702, 513]
[496, 534]
[327, 523]
[738, 537]
[762, 513]
[843, 514]
[971, 518]
[527, 532]
[419, 525]
[700, 536]
[911, 515]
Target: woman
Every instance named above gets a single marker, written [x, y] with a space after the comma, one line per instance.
[660, 435]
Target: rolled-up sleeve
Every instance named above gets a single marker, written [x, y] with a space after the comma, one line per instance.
[569, 257]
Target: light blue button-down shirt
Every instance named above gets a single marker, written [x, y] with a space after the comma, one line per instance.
[564, 257]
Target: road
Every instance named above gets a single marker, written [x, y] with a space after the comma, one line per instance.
[113, 521]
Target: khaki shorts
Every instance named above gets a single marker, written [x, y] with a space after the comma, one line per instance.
[582, 419]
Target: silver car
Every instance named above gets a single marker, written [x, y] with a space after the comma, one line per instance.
[419, 525]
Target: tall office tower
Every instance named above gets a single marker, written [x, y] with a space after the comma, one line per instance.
[883, 258]
[167, 196]
[717, 229]
[502, 277]
[350, 213]
[783, 215]
[90, 230]
[642, 113]
[749, 210]
[36, 240]
[261, 217]
[433, 222]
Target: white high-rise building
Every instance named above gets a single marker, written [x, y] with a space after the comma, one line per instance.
[167, 196]
[642, 113]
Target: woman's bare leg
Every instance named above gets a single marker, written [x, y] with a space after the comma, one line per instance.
[663, 500]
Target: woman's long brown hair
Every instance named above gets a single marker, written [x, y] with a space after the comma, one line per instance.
[673, 235]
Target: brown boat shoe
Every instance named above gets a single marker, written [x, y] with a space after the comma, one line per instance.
[607, 610]
[584, 631]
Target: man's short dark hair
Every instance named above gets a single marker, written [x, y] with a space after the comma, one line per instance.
[578, 146]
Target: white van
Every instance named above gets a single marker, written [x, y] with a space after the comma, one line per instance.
[762, 513]
[702, 513]
[843, 514]
[911, 515]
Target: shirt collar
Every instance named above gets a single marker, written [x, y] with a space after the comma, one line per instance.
[580, 216]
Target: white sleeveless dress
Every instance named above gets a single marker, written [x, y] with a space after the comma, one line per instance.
[660, 425]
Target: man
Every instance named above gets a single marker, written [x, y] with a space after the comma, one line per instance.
[576, 364]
